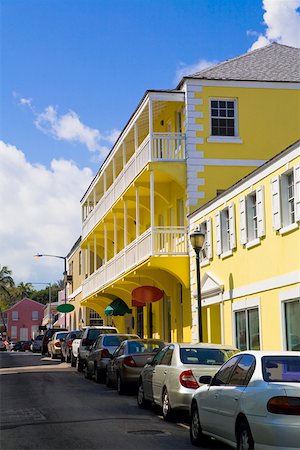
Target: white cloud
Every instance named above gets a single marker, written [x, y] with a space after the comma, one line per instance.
[185, 69]
[40, 213]
[67, 127]
[282, 22]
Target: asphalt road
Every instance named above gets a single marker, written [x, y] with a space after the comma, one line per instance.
[47, 405]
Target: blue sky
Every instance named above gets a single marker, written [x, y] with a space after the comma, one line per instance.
[72, 73]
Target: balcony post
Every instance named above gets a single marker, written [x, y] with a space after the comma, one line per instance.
[137, 211]
[105, 242]
[88, 260]
[125, 223]
[152, 209]
[114, 169]
[115, 234]
[136, 137]
[95, 252]
[94, 197]
[150, 130]
[124, 154]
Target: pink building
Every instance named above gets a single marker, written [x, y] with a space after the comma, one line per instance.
[23, 319]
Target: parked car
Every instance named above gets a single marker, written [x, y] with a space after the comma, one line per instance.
[101, 352]
[2, 346]
[66, 345]
[88, 338]
[253, 401]
[36, 345]
[22, 346]
[127, 362]
[54, 344]
[48, 334]
[171, 378]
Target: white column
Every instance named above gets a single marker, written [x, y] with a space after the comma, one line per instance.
[152, 208]
[114, 169]
[150, 129]
[208, 321]
[222, 321]
[88, 259]
[125, 223]
[136, 137]
[95, 252]
[94, 194]
[137, 211]
[115, 234]
[124, 154]
[105, 243]
[104, 182]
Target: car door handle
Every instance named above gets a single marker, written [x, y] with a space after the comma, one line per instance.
[153, 371]
[165, 372]
[236, 399]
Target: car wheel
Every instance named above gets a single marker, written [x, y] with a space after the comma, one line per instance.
[141, 396]
[73, 360]
[196, 436]
[120, 385]
[244, 437]
[108, 381]
[99, 375]
[87, 373]
[166, 406]
[80, 365]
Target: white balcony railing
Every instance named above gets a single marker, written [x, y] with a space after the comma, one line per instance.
[163, 241]
[165, 147]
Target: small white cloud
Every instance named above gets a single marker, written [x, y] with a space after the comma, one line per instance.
[67, 127]
[42, 213]
[185, 69]
[282, 20]
[26, 101]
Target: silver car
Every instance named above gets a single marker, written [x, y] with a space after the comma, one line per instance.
[101, 352]
[172, 376]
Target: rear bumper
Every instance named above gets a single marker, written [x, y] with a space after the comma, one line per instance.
[280, 433]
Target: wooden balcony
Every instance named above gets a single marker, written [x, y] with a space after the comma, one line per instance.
[159, 241]
[163, 147]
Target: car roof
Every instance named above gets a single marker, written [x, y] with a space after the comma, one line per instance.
[260, 353]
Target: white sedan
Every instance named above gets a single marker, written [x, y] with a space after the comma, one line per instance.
[252, 402]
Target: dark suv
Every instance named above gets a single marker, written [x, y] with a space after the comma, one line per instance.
[48, 335]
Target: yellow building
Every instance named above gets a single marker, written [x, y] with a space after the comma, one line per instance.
[178, 150]
[250, 261]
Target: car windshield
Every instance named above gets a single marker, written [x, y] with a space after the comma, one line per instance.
[61, 335]
[93, 333]
[113, 340]
[206, 356]
[281, 368]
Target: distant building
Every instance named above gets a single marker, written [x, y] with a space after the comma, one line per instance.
[23, 319]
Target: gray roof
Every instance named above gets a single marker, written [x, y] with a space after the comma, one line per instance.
[274, 62]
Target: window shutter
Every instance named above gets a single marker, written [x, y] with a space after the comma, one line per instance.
[297, 192]
[260, 211]
[218, 234]
[243, 221]
[276, 212]
[208, 239]
[232, 243]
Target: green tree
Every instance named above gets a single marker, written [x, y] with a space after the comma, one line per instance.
[6, 284]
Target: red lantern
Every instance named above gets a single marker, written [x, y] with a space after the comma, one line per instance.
[146, 294]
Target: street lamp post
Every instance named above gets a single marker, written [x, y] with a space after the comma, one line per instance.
[39, 255]
[197, 238]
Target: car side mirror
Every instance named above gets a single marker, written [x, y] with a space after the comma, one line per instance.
[149, 361]
[205, 379]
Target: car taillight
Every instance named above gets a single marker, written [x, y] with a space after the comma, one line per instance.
[57, 344]
[188, 380]
[105, 353]
[129, 361]
[284, 405]
[69, 344]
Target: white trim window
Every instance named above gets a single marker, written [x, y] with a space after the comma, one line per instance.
[15, 315]
[286, 200]
[247, 333]
[225, 231]
[252, 217]
[95, 318]
[291, 324]
[14, 332]
[206, 251]
[223, 117]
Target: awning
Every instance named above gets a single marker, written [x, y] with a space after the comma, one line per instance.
[117, 308]
[144, 295]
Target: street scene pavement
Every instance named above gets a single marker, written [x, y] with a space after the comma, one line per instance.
[48, 405]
